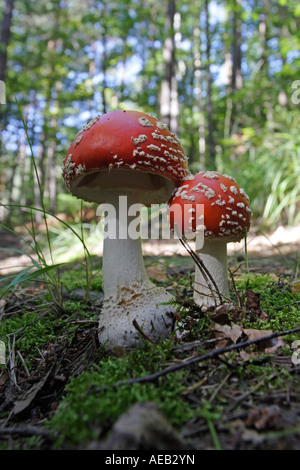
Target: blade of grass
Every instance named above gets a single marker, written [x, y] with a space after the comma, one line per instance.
[213, 434]
[37, 250]
[246, 251]
[88, 259]
[37, 178]
[26, 275]
[55, 217]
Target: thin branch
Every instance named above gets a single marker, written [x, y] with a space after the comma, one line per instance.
[24, 431]
[139, 329]
[195, 360]
[203, 269]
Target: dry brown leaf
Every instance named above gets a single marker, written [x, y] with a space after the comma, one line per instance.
[295, 287]
[265, 418]
[276, 343]
[253, 333]
[253, 305]
[223, 313]
[268, 346]
[157, 273]
[232, 332]
[246, 356]
[29, 396]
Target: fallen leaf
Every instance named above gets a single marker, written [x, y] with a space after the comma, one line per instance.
[295, 287]
[253, 304]
[157, 273]
[26, 401]
[3, 378]
[276, 344]
[269, 346]
[265, 418]
[232, 332]
[246, 356]
[223, 313]
[253, 333]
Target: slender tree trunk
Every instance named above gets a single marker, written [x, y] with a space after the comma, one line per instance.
[169, 97]
[52, 175]
[4, 42]
[11, 180]
[209, 105]
[2, 194]
[23, 169]
[92, 71]
[284, 32]
[5, 37]
[123, 71]
[198, 84]
[266, 110]
[236, 77]
[233, 107]
[104, 66]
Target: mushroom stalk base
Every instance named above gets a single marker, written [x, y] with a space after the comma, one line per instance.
[131, 300]
[213, 254]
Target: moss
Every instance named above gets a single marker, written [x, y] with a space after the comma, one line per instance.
[277, 300]
[31, 329]
[87, 409]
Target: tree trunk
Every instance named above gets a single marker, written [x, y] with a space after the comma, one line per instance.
[284, 32]
[209, 105]
[236, 77]
[199, 99]
[104, 66]
[169, 98]
[5, 37]
[52, 175]
[23, 169]
[233, 107]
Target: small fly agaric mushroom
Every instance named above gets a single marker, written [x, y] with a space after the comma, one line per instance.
[131, 154]
[225, 216]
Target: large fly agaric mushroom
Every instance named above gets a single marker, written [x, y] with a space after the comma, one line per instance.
[225, 217]
[131, 154]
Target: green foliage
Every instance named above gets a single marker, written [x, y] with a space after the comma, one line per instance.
[67, 63]
[269, 170]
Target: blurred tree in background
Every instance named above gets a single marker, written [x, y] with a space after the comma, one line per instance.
[224, 74]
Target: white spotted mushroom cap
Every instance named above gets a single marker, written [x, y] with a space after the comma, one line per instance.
[113, 146]
[225, 212]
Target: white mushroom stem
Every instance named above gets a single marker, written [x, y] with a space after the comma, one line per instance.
[213, 254]
[123, 266]
[130, 298]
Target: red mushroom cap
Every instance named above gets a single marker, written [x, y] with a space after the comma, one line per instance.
[226, 206]
[123, 140]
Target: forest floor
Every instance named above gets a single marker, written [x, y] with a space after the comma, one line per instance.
[206, 388]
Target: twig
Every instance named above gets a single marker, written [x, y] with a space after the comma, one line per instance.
[195, 360]
[203, 269]
[12, 363]
[81, 322]
[220, 386]
[24, 364]
[139, 329]
[234, 286]
[195, 344]
[24, 431]
[249, 392]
